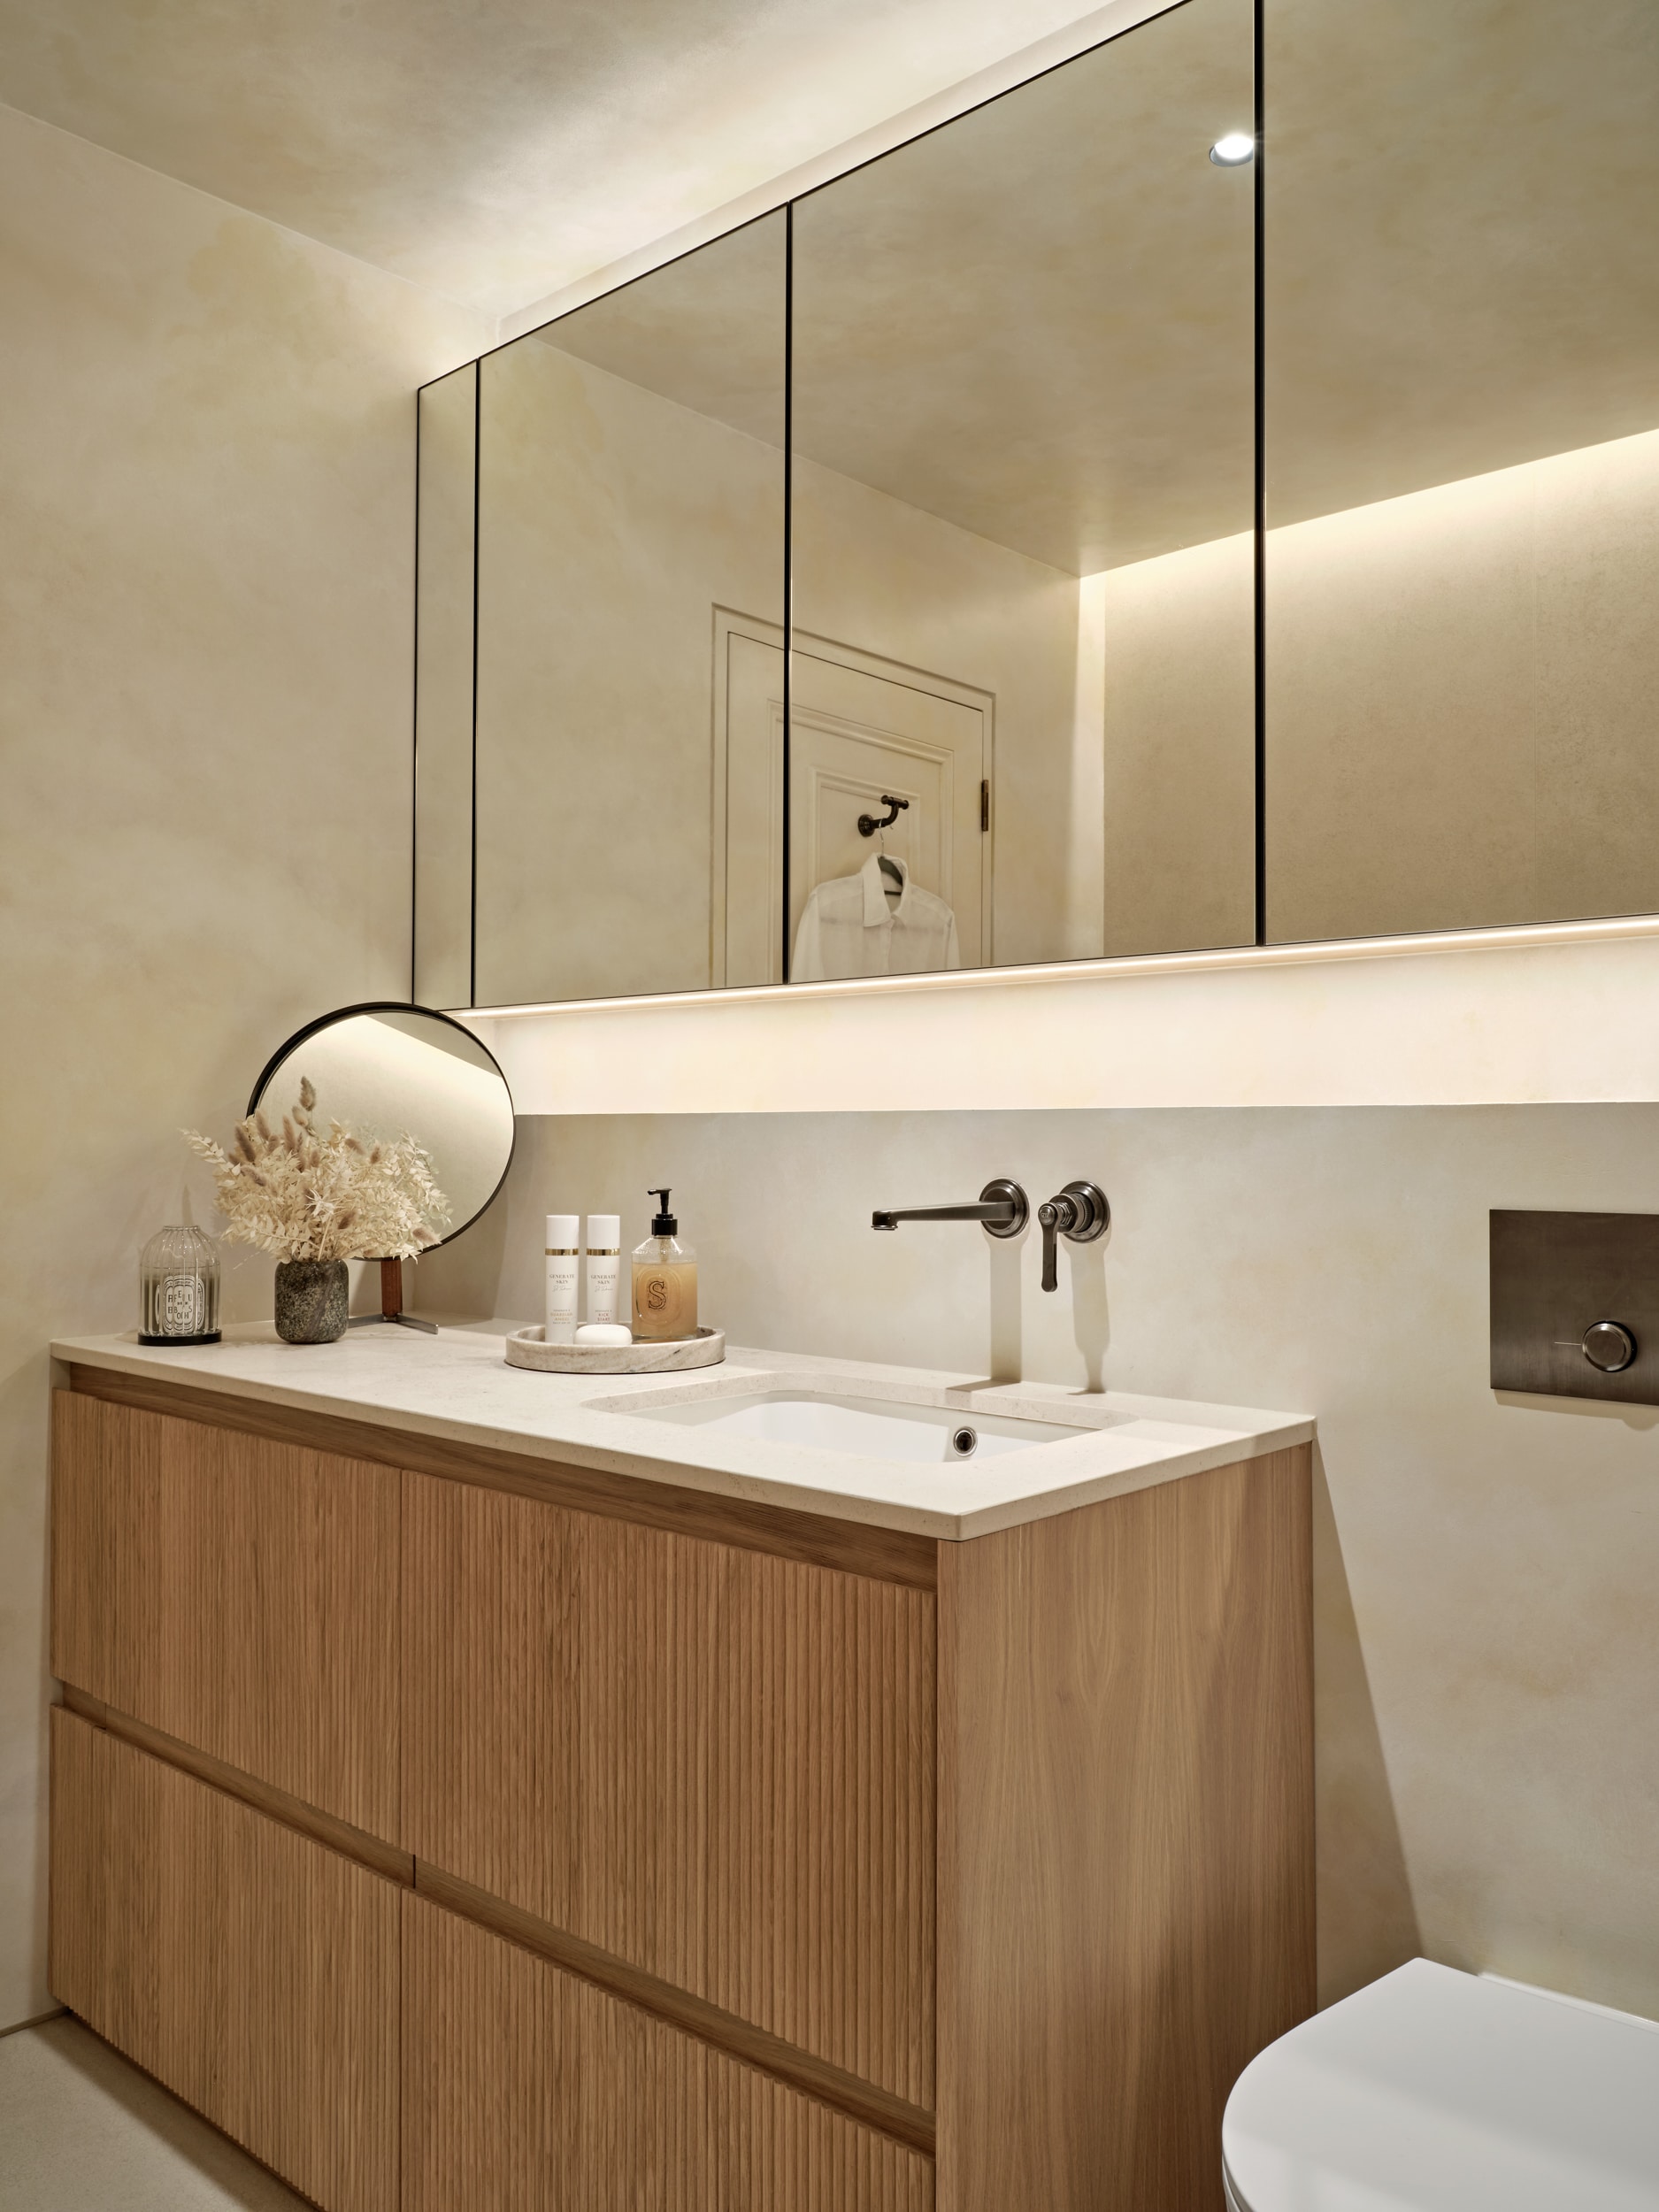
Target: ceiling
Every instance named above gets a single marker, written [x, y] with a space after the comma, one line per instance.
[493, 149]
[1036, 322]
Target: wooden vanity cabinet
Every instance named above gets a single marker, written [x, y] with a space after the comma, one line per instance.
[1126, 1820]
[234, 1591]
[741, 1860]
[710, 1763]
[530, 2087]
[250, 1969]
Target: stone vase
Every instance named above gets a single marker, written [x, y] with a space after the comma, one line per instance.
[311, 1301]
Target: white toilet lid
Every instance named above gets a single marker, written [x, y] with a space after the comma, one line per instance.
[1433, 2091]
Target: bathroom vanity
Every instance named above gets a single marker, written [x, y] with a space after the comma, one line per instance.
[477, 1788]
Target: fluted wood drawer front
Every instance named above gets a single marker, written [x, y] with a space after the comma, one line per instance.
[250, 1970]
[526, 2089]
[237, 1594]
[713, 1764]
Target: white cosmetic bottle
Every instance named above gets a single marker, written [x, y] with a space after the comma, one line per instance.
[564, 1272]
[605, 1266]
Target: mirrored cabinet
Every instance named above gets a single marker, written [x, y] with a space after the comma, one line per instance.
[1206, 496]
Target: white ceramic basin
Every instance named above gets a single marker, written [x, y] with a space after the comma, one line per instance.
[873, 1428]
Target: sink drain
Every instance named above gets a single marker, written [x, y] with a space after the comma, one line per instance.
[964, 1442]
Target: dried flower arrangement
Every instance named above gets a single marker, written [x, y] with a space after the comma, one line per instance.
[310, 1197]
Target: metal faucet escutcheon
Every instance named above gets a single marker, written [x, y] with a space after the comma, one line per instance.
[1080, 1213]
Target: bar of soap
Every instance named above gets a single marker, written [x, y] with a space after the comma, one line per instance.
[603, 1333]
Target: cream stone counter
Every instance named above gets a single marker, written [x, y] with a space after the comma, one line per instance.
[458, 1386]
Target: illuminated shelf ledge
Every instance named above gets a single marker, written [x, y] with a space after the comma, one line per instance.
[1554, 1013]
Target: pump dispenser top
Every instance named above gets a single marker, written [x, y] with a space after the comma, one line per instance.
[665, 1280]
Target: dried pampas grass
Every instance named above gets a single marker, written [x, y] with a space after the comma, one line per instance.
[303, 1197]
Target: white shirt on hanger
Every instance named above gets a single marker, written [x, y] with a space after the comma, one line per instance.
[851, 927]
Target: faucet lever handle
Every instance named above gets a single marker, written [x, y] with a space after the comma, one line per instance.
[1080, 1213]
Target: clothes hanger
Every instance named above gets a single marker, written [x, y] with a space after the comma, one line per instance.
[872, 826]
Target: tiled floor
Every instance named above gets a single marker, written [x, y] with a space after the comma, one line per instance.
[82, 2131]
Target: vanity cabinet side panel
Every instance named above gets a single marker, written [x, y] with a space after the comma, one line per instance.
[236, 1594]
[529, 2088]
[250, 1970]
[1127, 1907]
[712, 1763]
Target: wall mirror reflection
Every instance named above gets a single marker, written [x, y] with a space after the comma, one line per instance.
[1022, 380]
[1462, 464]
[1022, 396]
[1053, 540]
[624, 475]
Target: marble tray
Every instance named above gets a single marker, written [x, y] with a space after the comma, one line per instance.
[525, 1348]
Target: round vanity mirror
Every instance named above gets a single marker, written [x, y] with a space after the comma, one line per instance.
[385, 1069]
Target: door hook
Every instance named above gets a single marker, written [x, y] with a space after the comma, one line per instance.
[868, 823]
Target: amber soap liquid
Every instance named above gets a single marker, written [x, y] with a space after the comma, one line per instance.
[664, 1296]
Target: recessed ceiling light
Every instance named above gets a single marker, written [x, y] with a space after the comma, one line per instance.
[1234, 150]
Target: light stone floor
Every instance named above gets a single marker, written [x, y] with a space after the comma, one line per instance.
[82, 2131]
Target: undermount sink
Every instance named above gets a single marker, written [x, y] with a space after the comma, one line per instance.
[872, 1428]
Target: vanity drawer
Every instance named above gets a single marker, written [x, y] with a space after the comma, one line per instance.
[248, 1968]
[712, 1763]
[236, 1592]
[528, 2089]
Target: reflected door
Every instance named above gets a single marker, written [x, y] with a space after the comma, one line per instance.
[860, 731]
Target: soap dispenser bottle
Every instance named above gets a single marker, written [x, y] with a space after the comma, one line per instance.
[665, 1281]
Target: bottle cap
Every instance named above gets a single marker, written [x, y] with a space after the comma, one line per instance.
[563, 1232]
[604, 1232]
[663, 1223]
[603, 1331]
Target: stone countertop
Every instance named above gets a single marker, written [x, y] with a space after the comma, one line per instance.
[458, 1385]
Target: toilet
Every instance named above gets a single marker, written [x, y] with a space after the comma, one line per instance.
[1434, 2090]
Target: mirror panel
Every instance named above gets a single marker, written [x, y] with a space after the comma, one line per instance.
[446, 485]
[631, 508]
[1023, 506]
[385, 1071]
[1462, 456]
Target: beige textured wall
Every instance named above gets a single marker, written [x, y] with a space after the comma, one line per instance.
[206, 439]
[1488, 1640]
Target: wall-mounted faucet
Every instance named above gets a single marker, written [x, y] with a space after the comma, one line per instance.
[1004, 1209]
[1079, 1212]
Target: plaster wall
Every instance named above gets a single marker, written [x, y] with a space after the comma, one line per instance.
[206, 442]
[1488, 1783]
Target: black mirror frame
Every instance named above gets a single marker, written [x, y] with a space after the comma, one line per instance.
[396, 1006]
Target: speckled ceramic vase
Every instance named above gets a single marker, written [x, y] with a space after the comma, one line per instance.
[311, 1301]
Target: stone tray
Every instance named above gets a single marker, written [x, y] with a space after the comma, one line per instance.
[525, 1348]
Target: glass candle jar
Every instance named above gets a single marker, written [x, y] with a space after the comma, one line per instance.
[177, 1288]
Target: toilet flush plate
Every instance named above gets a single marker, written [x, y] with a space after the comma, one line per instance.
[1565, 1285]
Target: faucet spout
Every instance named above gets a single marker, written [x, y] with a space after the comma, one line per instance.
[1002, 1208]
